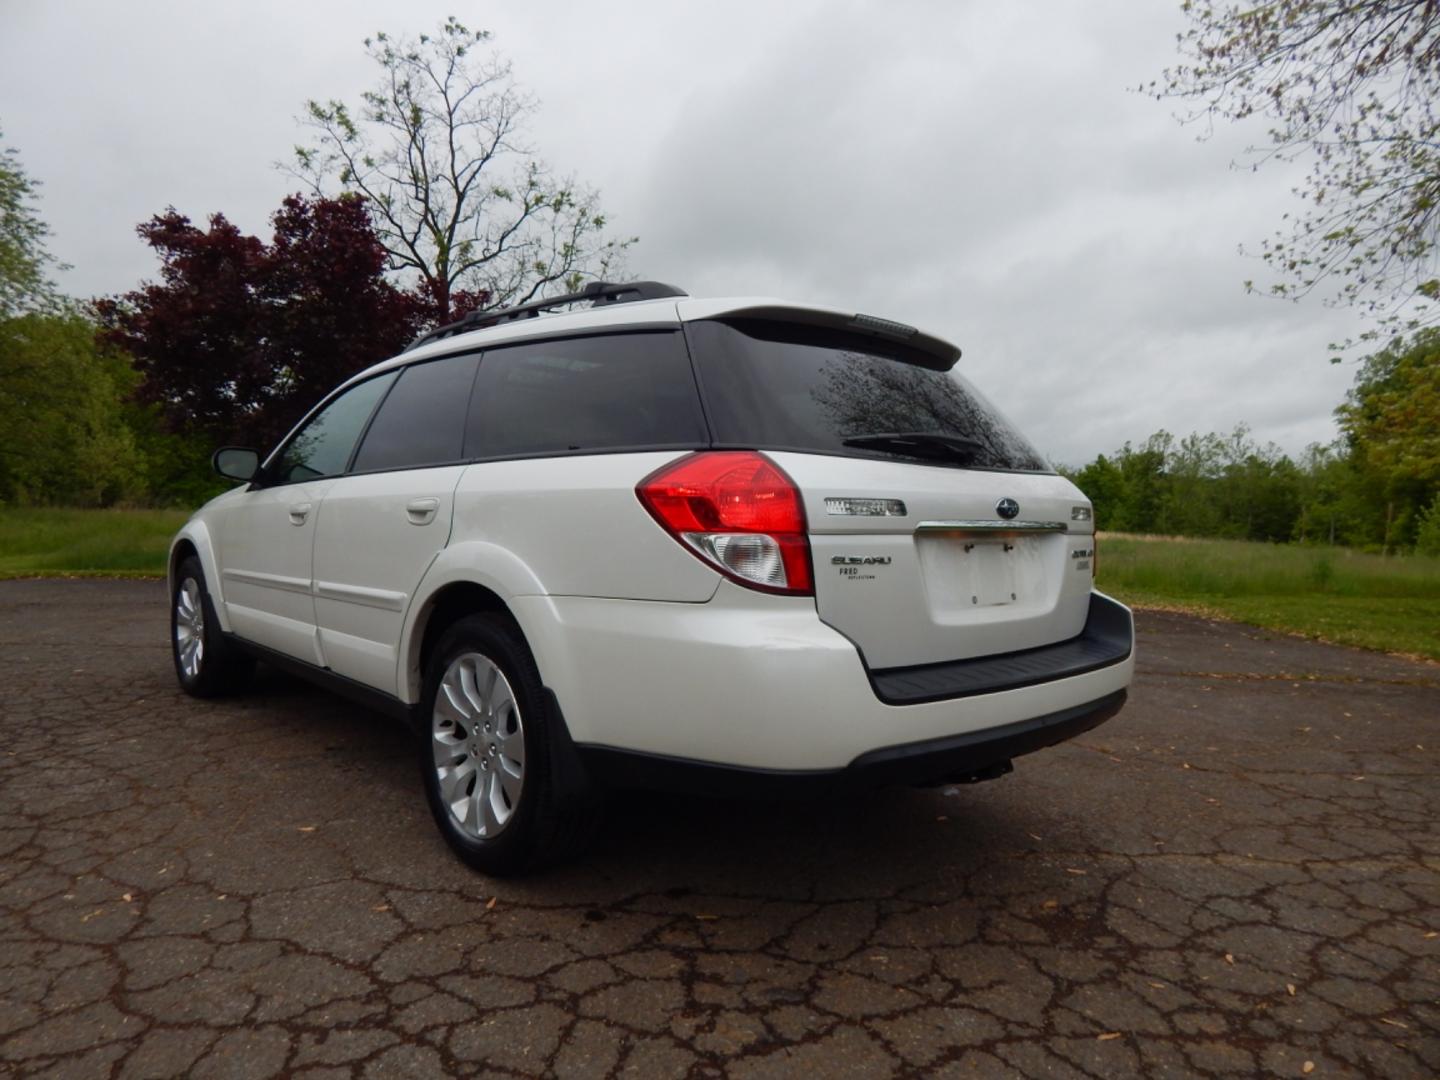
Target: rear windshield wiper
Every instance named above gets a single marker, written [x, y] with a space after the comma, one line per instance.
[920, 444]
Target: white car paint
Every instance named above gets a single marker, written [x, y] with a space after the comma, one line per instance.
[376, 536]
[646, 647]
[748, 680]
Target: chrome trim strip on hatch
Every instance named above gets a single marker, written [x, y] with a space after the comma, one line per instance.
[993, 526]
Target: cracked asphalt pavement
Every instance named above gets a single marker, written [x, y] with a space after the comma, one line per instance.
[1239, 875]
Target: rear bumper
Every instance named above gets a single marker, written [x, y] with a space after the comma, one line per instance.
[955, 758]
[1106, 638]
[758, 683]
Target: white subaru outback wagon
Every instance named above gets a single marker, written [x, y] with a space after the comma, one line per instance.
[649, 540]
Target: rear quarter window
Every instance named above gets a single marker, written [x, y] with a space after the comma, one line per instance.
[781, 386]
[610, 392]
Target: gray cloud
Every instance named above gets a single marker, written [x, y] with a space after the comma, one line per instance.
[978, 169]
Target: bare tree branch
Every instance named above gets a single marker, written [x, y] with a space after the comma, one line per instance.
[1353, 86]
[458, 200]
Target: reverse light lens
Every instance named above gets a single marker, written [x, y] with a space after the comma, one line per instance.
[739, 512]
[1080, 513]
[753, 556]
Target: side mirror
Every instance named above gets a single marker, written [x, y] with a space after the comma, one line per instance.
[236, 462]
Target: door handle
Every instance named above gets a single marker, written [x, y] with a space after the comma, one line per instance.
[421, 511]
[299, 512]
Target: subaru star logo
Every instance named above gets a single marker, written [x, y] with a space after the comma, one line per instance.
[1007, 508]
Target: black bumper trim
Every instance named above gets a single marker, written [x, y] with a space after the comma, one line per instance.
[951, 758]
[1107, 638]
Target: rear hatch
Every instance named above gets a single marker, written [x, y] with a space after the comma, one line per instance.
[938, 533]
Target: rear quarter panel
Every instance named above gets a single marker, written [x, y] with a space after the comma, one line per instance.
[580, 526]
[557, 526]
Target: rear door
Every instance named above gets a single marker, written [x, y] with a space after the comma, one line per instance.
[382, 525]
[938, 532]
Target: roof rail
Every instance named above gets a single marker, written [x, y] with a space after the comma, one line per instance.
[598, 292]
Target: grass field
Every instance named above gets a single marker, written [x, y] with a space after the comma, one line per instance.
[1328, 593]
[1392, 604]
[92, 543]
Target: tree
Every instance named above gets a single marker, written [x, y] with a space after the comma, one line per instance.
[63, 431]
[1352, 87]
[25, 264]
[458, 200]
[1142, 484]
[1100, 480]
[240, 337]
[1391, 422]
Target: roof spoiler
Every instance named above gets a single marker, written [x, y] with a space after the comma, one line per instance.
[923, 349]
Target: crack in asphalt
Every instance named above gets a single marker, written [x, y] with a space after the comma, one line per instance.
[1234, 880]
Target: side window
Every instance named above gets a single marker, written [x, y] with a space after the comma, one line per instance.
[322, 447]
[606, 392]
[422, 420]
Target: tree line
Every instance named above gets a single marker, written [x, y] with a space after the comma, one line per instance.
[420, 204]
[1377, 486]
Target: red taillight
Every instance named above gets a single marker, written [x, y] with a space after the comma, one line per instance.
[739, 512]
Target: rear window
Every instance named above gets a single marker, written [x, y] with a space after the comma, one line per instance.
[616, 391]
[779, 386]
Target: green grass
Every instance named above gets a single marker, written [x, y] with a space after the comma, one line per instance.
[92, 543]
[1392, 604]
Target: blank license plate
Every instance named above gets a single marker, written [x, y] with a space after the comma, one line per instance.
[992, 573]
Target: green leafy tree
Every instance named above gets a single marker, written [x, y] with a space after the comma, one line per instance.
[1142, 484]
[458, 199]
[1427, 534]
[64, 436]
[25, 264]
[1101, 482]
[1202, 485]
[1191, 506]
[1391, 422]
[1325, 489]
[1352, 88]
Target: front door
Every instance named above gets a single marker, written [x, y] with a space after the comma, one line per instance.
[265, 546]
[266, 538]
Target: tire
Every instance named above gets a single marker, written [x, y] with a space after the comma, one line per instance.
[500, 775]
[206, 664]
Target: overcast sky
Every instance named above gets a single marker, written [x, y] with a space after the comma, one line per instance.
[979, 169]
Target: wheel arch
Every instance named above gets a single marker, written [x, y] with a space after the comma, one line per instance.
[194, 539]
[465, 579]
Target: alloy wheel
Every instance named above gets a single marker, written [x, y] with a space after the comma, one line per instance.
[189, 628]
[478, 741]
